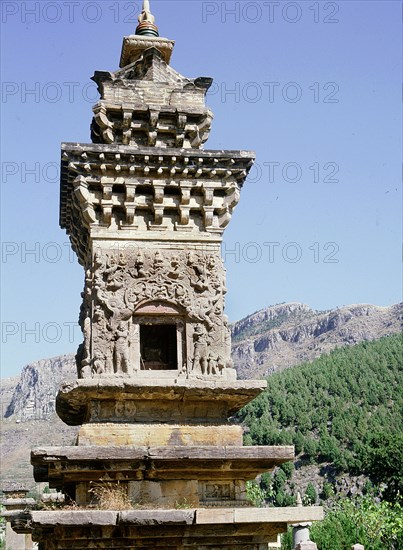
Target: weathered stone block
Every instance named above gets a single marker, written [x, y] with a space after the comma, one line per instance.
[73, 517]
[308, 545]
[158, 435]
[171, 493]
[157, 517]
[132, 399]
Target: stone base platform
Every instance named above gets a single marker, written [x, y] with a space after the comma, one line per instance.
[200, 528]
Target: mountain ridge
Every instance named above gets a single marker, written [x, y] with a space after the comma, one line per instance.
[284, 335]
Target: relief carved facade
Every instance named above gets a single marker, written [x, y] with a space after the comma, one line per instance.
[147, 309]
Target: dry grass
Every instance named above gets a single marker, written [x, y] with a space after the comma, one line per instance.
[110, 496]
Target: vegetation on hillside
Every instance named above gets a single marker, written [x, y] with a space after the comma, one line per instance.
[345, 408]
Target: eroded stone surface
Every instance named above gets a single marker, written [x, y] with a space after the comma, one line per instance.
[158, 434]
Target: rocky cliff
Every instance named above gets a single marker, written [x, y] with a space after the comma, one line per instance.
[285, 335]
[34, 396]
[28, 415]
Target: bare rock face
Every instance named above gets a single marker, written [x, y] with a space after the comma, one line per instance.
[7, 389]
[29, 417]
[34, 395]
[285, 335]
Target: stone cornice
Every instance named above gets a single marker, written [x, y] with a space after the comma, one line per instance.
[62, 465]
[73, 402]
[116, 187]
[133, 46]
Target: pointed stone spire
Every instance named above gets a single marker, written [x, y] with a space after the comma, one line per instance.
[299, 499]
[146, 25]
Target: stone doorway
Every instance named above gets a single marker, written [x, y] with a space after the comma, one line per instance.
[158, 347]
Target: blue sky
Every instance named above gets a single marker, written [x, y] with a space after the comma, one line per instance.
[312, 87]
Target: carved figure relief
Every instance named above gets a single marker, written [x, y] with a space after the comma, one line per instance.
[119, 283]
[122, 349]
[217, 491]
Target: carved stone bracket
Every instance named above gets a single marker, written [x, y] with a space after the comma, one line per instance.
[155, 190]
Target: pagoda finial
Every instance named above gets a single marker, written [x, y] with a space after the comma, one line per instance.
[146, 25]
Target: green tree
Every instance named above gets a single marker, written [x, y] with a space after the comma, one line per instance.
[377, 526]
[384, 463]
[347, 397]
[327, 490]
[310, 494]
[288, 468]
[286, 540]
[255, 494]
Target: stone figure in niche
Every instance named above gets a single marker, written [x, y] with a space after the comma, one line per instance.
[87, 339]
[158, 261]
[84, 368]
[227, 341]
[199, 281]
[114, 275]
[83, 357]
[98, 362]
[99, 268]
[122, 259]
[211, 364]
[220, 365]
[199, 365]
[103, 344]
[136, 266]
[122, 360]
[114, 304]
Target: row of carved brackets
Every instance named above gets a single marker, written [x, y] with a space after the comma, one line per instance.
[160, 166]
[197, 133]
[138, 167]
[217, 210]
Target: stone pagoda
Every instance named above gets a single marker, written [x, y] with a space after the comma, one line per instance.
[145, 207]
